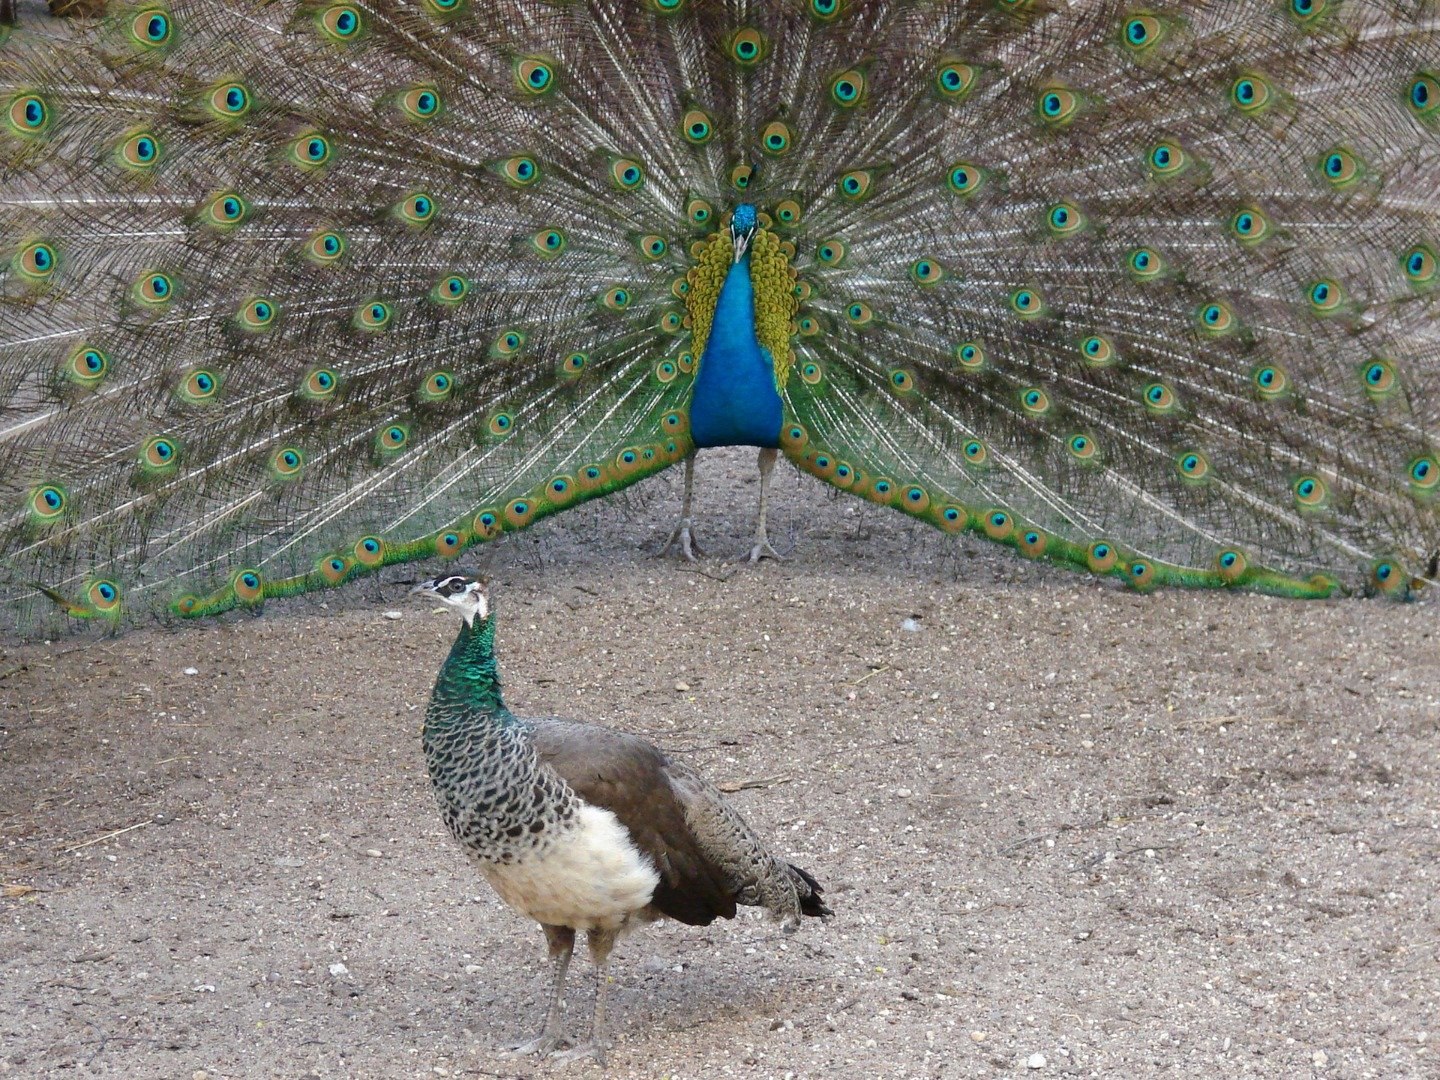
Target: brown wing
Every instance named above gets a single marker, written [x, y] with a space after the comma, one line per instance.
[629, 777]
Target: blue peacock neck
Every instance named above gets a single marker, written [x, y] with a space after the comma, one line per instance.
[735, 401]
[468, 687]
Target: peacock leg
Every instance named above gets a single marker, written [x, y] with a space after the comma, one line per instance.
[683, 534]
[562, 947]
[601, 942]
[762, 548]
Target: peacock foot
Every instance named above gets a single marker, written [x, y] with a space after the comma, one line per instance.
[683, 538]
[763, 550]
[593, 1050]
[544, 1044]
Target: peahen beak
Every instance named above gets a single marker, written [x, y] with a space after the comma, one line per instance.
[424, 587]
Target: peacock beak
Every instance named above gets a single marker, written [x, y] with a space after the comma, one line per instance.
[424, 587]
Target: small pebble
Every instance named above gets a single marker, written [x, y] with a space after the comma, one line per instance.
[192, 671]
[1035, 1061]
[339, 970]
[903, 793]
[393, 615]
[374, 853]
[910, 626]
[1320, 1059]
[977, 1036]
[681, 687]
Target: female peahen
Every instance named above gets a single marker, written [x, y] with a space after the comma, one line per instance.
[295, 291]
[583, 828]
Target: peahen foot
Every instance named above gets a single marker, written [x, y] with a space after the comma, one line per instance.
[763, 549]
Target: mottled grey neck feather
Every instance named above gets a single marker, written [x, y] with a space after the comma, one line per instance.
[493, 794]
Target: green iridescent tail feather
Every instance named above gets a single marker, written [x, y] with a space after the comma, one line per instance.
[296, 291]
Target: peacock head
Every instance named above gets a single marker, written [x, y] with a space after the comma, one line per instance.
[465, 595]
[742, 228]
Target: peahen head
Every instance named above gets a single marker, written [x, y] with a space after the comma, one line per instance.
[742, 228]
[465, 595]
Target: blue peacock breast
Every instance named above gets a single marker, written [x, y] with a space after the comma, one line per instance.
[735, 401]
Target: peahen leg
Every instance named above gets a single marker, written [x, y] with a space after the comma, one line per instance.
[683, 535]
[762, 548]
[601, 942]
[562, 947]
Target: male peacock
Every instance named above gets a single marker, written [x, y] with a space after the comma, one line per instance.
[582, 828]
[295, 291]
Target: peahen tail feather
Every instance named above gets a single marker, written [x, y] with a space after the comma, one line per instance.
[296, 291]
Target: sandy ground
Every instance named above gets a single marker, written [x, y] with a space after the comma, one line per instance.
[1067, 830]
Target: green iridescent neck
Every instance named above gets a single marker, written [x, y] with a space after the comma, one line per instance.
[470, 677]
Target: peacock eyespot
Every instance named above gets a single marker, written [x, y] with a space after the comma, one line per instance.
[29, 115]
[1026, 303]
[310, 151]
[1231, 565]
[653, 247]
[501, 424]
[1144, 264]
[1193, 465]
[1159, 397]
[139, 151]
[230, 101]
[288, 461]
[902, 381]
[575, 363]
[1309, 492]
[37, 261]
[1249, 225]
[325, 248]
[369, 551]
[103, 595]
[437, 386]
[151, 28]
[1325, 296]
[340, 23]
[965, 178]
[200, 386]
[1216, 318]
[1167, 159]
[320, 383]
[740, 177]
[954, 80]
[1423, 474]
[776, 139]
[831, 252]
[970, 355]
[788, 212]
[855, 185]
[926, 271]
[1035, 401]
[747, 47]
[86, 366]
[47, 503]
[248, 586]
[1270, 381]
[859, 313]
[1064, 219]
[1101, 556]
[1379, 377]
[627, 173]
[1057, 106]
[1082, 447]
[154, 288]
[1341, 167]
[824, 9]
[520, 171]
[1419, 264]
[1307, 11]
[847, 88]
[159, 452]
[1423, 95]
[534, 75]
[975, 452]
[420, 102]
[1141, 32]
[394, 437]
[1250, 93]
[375, 315]
[665, 371]
[417, 209]
[697, 126]
[617, 298]
[1097, 351]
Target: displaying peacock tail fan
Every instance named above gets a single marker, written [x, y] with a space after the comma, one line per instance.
[295, 291]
